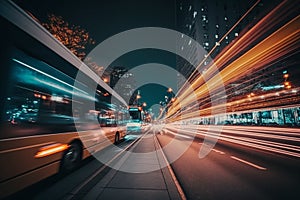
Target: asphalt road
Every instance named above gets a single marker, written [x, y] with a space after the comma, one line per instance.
[231, 171]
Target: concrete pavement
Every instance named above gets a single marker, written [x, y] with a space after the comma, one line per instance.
[147, 184]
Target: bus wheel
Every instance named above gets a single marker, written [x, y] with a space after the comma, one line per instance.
[72, 157]
[117, 138]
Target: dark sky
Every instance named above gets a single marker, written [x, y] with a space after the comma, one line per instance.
[105, 18]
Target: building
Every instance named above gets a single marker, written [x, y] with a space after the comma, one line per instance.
[209, 21]
[122, 81]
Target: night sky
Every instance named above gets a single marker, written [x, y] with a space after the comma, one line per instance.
[106, 18]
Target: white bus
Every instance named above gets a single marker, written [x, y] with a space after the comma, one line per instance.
[134, 124]
[41, 131]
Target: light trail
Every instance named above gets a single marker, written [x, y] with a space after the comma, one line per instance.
[248, 163]
[280, 44]
[218, 151]
[285, 143]
[219, 42]
[273, 39]
[273, 102]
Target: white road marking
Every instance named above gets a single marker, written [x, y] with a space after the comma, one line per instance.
[220, 152]
[248, 163]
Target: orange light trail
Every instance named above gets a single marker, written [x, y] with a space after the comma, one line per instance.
[246, 136]
[51, 149]
[278, 45]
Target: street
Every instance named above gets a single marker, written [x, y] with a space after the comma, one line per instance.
[232, 171]
[229, 171]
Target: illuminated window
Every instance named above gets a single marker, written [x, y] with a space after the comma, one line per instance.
[190, 42]
[195, 14]
[236, 34]
[217, 25]
[216, 36]
[225, 18]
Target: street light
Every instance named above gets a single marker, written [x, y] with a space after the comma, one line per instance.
[138, 96]
[105, 80]
[286, 83]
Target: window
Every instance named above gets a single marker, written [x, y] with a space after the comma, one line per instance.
[195, 14]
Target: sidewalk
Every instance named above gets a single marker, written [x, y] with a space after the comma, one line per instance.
[157, 184]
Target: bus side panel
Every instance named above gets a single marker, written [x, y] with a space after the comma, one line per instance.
[20, 182]
[17, 156]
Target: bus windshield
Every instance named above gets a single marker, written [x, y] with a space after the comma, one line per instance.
[135, 114]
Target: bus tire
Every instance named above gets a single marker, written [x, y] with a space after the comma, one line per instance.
[117, 138]
[72, 157]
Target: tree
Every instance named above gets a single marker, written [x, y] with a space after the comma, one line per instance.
[73, 37]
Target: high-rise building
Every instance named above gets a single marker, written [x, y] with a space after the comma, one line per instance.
[122, 81]
[207, 21]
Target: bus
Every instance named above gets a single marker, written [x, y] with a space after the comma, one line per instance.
[134, 124]
[43, 129]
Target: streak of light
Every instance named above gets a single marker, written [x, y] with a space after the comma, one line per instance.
[248, 163]
[51, 149]
[283, 42]
[278, 44]
[219, 42]
[218, 151]
[45, 74]
[286, 143]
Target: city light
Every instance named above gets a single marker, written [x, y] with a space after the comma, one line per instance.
[275, 46]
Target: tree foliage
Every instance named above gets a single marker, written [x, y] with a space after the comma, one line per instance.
[73, 37]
